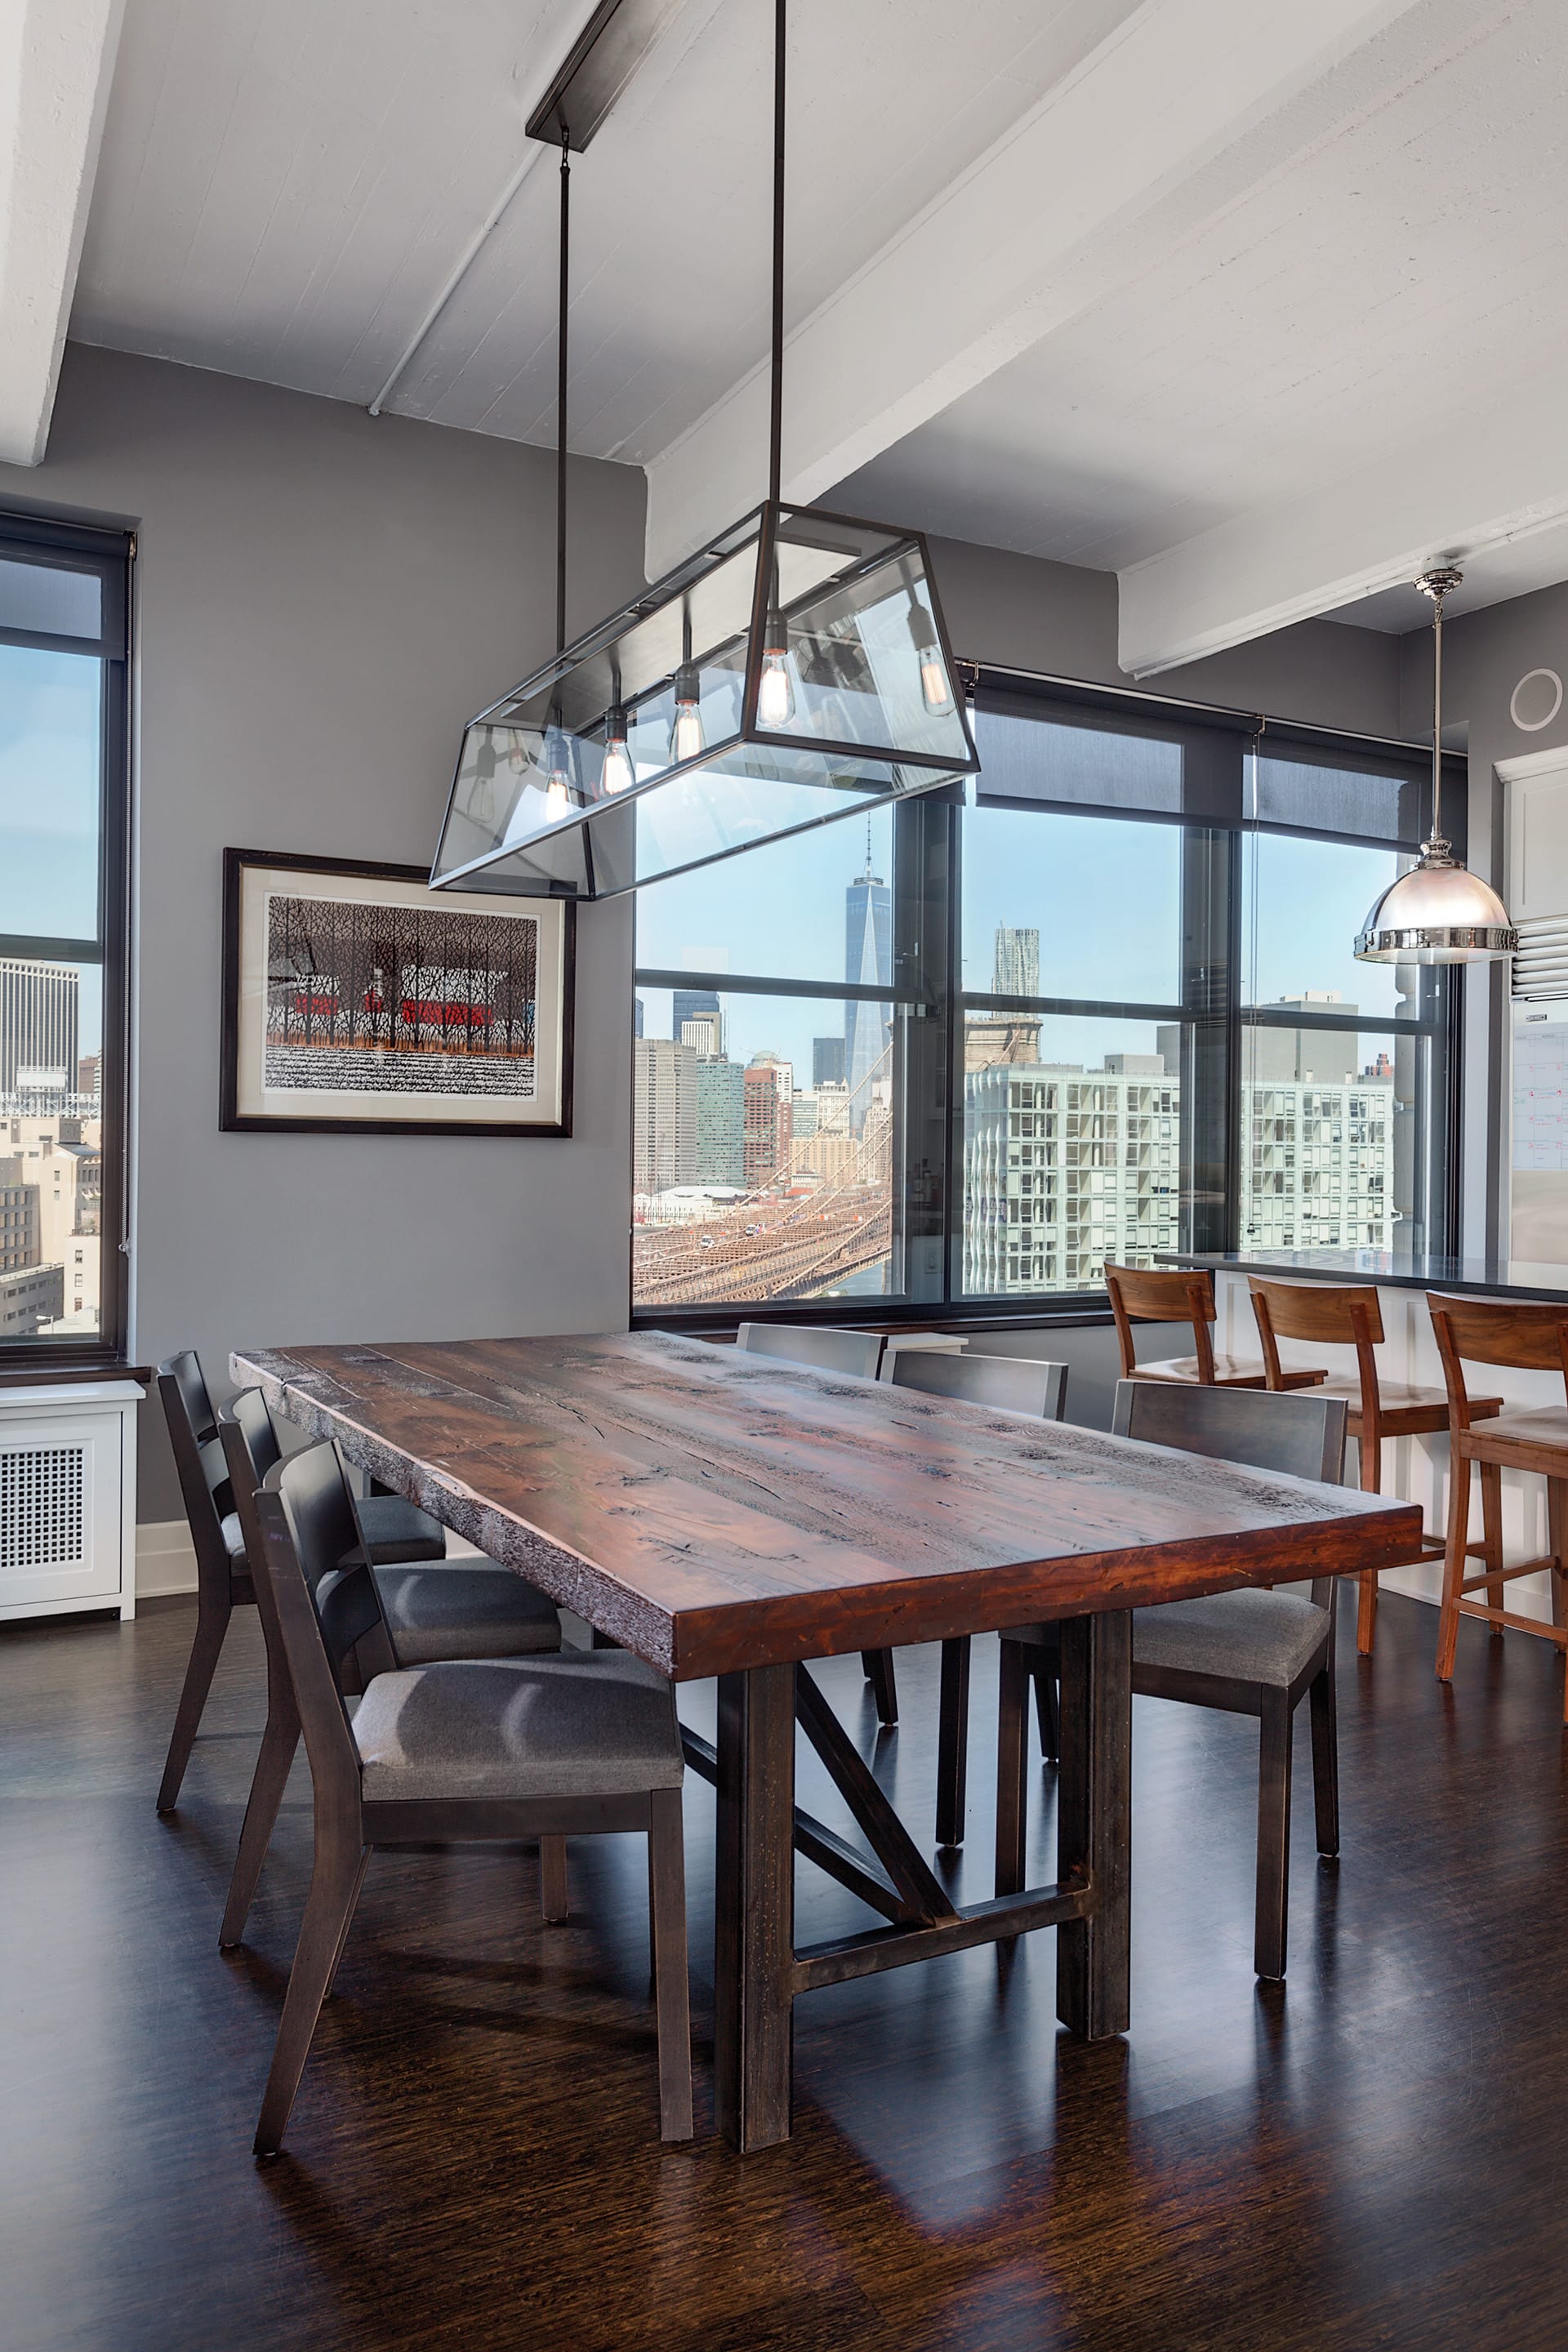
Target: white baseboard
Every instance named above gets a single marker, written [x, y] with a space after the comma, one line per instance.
[165, 1559]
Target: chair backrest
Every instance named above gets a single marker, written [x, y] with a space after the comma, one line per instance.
[254, 1415]
[1326, 1312]
[314, 1491]
[1162, 1295]
[1332, 1313]
[203, 1469]
[328, 1737]
[824, 1348]
[1298, 1434]
[1527, 1335]
[245, 1455]
[1007, 1384]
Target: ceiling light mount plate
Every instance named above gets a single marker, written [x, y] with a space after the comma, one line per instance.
[606, 57]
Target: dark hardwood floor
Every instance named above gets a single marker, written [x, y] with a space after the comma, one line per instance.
[1370, 2155]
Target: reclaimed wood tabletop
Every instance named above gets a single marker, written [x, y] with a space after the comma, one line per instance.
[714, 1511]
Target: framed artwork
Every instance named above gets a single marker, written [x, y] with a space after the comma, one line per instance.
[358, 1001]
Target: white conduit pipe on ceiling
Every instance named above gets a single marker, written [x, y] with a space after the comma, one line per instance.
[460, 270]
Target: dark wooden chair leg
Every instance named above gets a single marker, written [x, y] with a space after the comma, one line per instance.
[335, 1889]
[1325, 1760]
[952, 1741]
[212, 1624]
[879, 1673]
[280, 1741]
[1047, 1711]
[1012, 1767]
[1273, 1833]
[667, 1936]
[553, 1900]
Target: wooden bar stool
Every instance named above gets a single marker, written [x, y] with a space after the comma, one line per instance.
[1349, 1315]
[1527, 1338]
[1179, 1296]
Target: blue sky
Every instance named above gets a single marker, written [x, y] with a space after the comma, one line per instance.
[48, 804]
[1105, 895]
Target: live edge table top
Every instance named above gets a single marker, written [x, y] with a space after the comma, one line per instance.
[714, 1511]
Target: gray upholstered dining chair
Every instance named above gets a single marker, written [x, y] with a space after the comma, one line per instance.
[428, 1610]
[1250, 1652]
[860, 1355]
[223, 1582]
[456, 1752]
[1008, 1384]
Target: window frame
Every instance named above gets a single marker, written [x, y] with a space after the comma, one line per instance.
[927, 983]
[110, 555]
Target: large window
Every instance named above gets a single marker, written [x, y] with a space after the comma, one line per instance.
[1103, 1008]
[63, 817]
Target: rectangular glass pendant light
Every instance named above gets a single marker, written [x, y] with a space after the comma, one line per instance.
[793, 672]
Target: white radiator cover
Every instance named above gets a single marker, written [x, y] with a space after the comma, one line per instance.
[68, 1498]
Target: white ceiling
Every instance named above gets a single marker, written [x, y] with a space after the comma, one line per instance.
[1259, 307]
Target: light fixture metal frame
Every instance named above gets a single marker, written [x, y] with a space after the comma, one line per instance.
[910, 771]
[592, 78]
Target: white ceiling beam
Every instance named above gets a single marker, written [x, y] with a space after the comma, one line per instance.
[57, 62]
[1476, 481]
[1007, 254]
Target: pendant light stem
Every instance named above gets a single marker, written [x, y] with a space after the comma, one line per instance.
[561, 397]
[1437, 716]
[775, 425]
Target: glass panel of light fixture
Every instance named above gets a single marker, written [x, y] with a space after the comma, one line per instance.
[852, 653]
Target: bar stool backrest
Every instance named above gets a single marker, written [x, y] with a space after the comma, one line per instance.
[1008, 1383]
[1163, 1295]
[1527, 1335]
[1330, 1314]
[828, 1351]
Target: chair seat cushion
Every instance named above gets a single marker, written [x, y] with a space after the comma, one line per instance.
[463, 1609]
[589, 1723]
[1229, 1371]
[1255, 1637]
[398, 1530]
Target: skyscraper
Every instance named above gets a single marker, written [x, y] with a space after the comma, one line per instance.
[868, 963]
[768, 1098]
[39, 1008]
[664, 1114]
[1015, 967]
[827, 1061]
[697, 1004]
[721, 1157]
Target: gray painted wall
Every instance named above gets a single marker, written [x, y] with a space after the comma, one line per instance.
[323, 599]
[1485, 654]
[1025, 613]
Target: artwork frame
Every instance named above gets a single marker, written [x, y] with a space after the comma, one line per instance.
[297, 1059]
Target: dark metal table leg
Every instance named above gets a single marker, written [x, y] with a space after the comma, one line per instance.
[754, 1909]
[1094, 1820]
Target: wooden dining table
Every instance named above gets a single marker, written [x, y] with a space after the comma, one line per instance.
[726, 1515]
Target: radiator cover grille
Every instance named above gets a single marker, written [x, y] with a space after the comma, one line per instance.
[43, 1516]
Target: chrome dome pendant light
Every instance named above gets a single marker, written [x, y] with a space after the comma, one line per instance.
[1439, 912]
[793, 672]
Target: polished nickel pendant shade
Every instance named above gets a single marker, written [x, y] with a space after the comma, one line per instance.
[793, 672]
[1439, 912]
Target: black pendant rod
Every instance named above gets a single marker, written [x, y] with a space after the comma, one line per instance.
[561, 399]
[775, 429]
